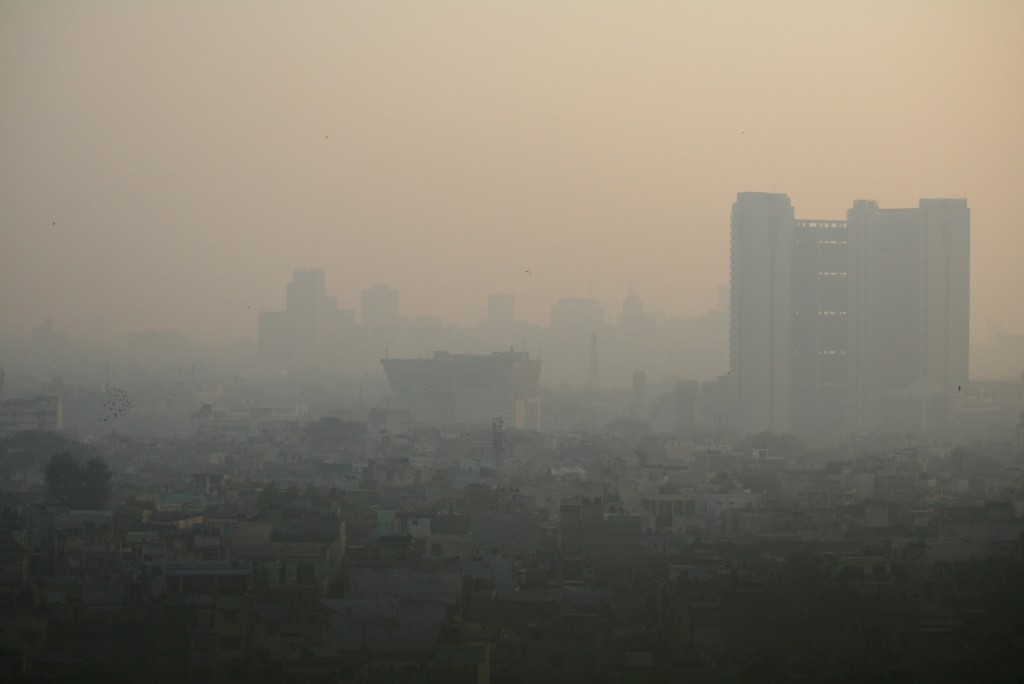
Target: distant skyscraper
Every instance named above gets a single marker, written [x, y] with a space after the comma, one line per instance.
[307, 289]
[633, 316]
[640, 393]
[308, 331]
[859, 325]
[909, 309]
[632, 307]
[761, 306]
[380, 305]
[820, 327]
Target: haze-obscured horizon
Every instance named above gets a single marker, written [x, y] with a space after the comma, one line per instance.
[168, 165]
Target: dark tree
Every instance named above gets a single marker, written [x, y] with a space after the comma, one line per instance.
[95, 483]
[35, 445]
[80, 485]
[27, 448]
[63, 473]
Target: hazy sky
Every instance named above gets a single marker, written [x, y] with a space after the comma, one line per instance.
[168, 164]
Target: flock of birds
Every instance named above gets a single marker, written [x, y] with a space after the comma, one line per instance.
[115, 403]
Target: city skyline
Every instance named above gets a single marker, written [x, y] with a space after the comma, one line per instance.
[167, 165]
[463, 341]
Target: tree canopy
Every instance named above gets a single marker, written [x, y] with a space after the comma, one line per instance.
[334, 431]
[36, 445]
[79, 484]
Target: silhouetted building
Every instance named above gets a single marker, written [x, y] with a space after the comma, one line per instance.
[859, 325]
[633, 317]
[41, 413]
[380, 305]
[909, 311]
[820, 327]
[761, 306]
[639, 393]
[707, 341]
[310, 329]
[454, 389]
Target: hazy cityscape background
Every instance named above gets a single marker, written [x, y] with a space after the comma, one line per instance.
[502, 342]
[167, 165]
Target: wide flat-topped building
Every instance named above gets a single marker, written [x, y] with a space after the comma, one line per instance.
[468, 389]
[41, 413]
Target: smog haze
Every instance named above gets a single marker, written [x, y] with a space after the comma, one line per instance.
[168, 165]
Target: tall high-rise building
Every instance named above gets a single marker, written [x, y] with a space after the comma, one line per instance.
[909, 310]
[820, 327]
[309, 330]
[847, 326]
[761, 311]
[307, 290]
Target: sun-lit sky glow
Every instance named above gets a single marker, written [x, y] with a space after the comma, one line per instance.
[168, 164]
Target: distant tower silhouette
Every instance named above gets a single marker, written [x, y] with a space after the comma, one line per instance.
[639, 392]
[594, 372]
